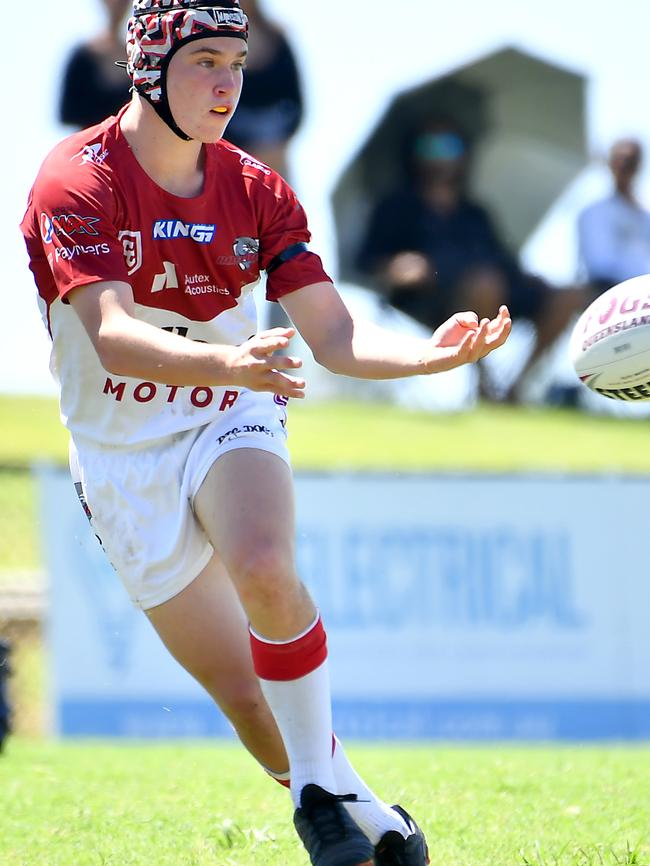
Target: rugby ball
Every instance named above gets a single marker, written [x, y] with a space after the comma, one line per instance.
[610, 344]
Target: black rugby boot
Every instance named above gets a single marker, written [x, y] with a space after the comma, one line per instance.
[394, 850]
[328, 832]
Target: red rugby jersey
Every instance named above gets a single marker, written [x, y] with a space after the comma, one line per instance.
[95, 215]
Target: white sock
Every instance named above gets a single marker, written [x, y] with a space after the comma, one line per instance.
[372, 815]
[294, 677]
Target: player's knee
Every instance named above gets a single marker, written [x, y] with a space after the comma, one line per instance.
[263, 570]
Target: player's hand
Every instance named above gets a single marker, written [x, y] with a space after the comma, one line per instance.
[462, 339]
[255, 365]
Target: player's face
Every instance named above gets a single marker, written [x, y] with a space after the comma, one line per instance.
[204, 82]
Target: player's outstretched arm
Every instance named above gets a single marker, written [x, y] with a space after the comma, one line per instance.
[358, 348]
[127, 346]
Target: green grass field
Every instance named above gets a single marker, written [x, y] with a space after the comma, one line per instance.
[207, 804]
[379, 436]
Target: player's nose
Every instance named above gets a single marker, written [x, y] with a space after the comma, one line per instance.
[225, 81]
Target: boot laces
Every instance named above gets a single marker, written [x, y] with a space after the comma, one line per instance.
[328, 819]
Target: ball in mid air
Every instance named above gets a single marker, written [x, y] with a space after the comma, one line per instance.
[610, 344]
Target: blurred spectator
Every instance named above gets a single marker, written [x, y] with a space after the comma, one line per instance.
[433, 251]
[271, 105]
[5, 713]
[614, 233]
[93, 86]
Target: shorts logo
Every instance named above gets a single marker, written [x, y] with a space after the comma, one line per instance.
[66, 225]
[91, 153]
[246, 252]
[171, 230]
[236, 432]
[132, 249]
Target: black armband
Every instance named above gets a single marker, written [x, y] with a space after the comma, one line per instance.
[286, 256]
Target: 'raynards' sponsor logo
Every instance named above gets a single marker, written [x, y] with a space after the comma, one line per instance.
[171, 230]
[66, 225]
[69, 253]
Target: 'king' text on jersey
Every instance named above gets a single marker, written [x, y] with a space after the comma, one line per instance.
[170, 230]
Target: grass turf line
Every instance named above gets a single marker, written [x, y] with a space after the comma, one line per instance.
[379, 436]
[207, 804]
[349, 436]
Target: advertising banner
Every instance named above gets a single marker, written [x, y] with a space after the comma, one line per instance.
[457, 607]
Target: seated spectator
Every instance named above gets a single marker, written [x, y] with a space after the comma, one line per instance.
[614, 233]
[5, 710]
[93, 86]
[433, 250]
[270, 108]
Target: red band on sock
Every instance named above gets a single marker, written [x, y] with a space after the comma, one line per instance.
[291, 660]
[284, 782]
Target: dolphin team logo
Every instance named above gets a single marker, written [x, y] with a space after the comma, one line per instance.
[246, 251]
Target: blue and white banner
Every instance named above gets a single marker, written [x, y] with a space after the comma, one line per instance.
[456, 607]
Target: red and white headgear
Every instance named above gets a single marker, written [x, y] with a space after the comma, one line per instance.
[156, 31]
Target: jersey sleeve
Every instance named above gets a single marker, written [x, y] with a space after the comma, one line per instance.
[283, 223]
[70, 227]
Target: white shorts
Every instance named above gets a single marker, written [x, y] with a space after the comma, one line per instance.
[140, 501]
